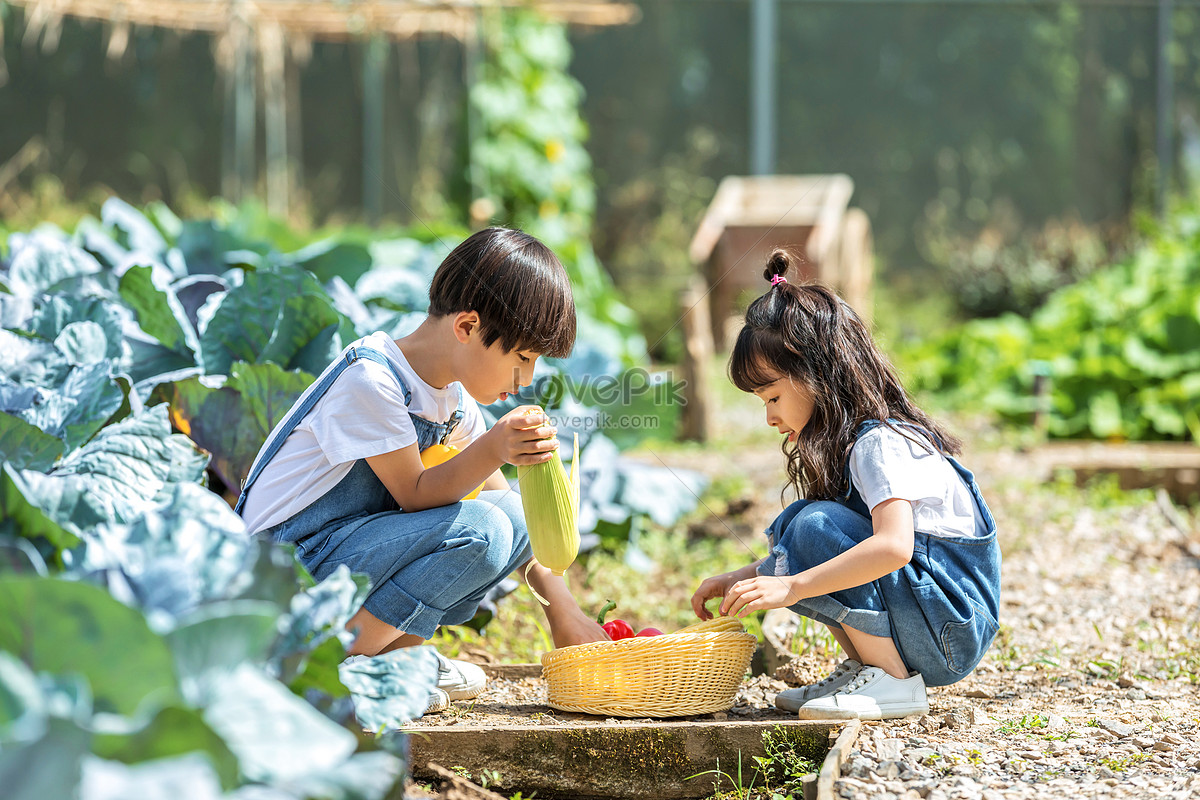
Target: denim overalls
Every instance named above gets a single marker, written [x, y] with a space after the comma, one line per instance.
[940, 609]
[427, 568]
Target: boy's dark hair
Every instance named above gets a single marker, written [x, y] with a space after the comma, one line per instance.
[517, 286]
[808, 334]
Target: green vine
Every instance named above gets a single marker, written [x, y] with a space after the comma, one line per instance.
[529, 167]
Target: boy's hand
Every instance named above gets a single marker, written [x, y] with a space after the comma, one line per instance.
[568, 624]
[523, 436]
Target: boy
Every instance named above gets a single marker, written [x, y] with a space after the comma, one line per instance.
[341, 477]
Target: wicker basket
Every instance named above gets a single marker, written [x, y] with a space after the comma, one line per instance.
[696, 670]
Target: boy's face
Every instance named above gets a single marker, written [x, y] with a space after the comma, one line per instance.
[789, 406]
[495, 374]
[490, 373]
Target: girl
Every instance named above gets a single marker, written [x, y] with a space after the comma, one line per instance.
[893, 547]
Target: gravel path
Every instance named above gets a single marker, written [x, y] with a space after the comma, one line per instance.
[1091, 690]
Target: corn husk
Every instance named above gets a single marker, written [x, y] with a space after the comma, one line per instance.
[550, 498]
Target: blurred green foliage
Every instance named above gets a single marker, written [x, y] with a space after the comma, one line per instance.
[1008, 268]
[529, 162]
[1120, 349]
[529, 165]
[947, 116]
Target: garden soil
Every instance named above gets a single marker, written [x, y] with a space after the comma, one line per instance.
[1090, 690]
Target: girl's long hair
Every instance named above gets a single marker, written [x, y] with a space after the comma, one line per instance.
[806, 333]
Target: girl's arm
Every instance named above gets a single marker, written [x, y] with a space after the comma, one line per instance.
[718, 586]
[889, 549]
[520, 437]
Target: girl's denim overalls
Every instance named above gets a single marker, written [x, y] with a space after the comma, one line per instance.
[940, 609]
[427, 568]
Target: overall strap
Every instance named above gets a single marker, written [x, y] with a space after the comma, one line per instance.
[297, 414]
[989, 522]
[455, 418]
[967, 477]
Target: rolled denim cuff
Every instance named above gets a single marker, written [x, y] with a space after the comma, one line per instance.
[830, 611]
[416, 617]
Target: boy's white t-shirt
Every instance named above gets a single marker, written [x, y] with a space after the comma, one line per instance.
[885, 464]
[362, 414]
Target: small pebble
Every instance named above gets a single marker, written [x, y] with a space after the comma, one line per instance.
[1118, 729]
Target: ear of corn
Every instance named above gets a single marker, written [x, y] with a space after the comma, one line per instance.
[441, 453]
[550, 498]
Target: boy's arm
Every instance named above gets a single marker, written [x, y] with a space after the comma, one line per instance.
[568, 624]
[520, 437]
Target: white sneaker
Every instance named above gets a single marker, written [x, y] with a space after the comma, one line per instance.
[871, 694]
[438, 701]
[792, 699]
[460, 680]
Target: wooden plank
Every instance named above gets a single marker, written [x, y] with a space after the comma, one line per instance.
[1171, 466]
[330, 20]
[512, 671]
[831, 769]
[611, 760]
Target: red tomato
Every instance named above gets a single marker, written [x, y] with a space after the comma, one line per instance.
[649, 632]
[618, 629]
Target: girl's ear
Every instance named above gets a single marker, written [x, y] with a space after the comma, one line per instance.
[466, 325]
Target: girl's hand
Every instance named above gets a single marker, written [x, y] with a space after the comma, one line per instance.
[758, 594]
[716, 586]
[523, 436]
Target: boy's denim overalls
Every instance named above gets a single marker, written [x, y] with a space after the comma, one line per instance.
[941, 608]
[427, 568]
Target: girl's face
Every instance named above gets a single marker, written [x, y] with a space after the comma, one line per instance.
[789, 405]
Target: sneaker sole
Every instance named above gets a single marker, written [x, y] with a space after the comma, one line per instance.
[890, 712]
[464, 694]
[438, 704]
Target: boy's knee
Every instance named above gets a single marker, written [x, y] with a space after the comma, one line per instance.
[504, 536]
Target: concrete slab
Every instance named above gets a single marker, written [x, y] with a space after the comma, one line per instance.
[612, 760]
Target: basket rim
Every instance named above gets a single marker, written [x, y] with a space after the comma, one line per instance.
[634, 644]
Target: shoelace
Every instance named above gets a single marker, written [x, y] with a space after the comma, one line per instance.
[833, 676]
[857, 682]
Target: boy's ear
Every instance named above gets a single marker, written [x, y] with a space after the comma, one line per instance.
[466, 325]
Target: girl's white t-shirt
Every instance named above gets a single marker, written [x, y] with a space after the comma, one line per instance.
[362, 414]
[885, 464]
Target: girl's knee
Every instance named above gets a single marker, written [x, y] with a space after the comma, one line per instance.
[825, 519]
[817, 532]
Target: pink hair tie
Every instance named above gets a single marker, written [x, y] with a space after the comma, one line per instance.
[777, 279]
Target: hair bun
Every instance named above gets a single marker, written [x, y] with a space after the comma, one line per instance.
[778, 263]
